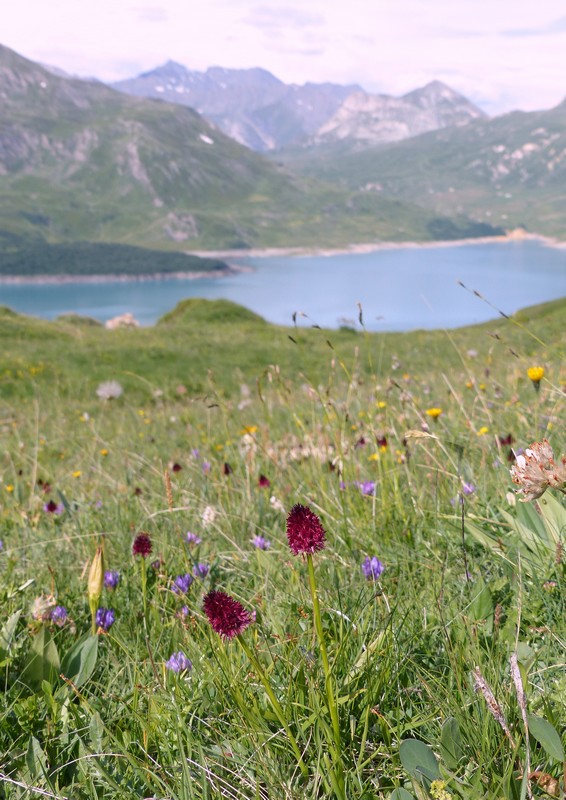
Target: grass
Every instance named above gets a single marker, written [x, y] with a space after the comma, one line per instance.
[213, 399]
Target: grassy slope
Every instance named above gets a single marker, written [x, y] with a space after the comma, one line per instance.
[402, 650]
[482, 169]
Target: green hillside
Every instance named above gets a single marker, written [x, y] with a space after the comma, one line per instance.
[82, 162]
[508, 171]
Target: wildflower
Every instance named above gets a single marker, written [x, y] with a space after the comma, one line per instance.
[176, 467]
[468, 488]
[111, 578]
[192, 538]
[142, 545]
[227, 469]
[483, 430]
[381, 442]
[535, 471]
[506, 440]
[276, 504]
[42, 606]
[182, 583]
[53, 508]
[77, 473]
[434, 412]
[536, 374]
[227, 616]
[201, 571]
[105, 618]
[58, 615]
[10, 488]
[263, 482]
[179, 662]
[366, 487]
[208, 516]
[195, 452]
[261, 543]
[104, 452]
[205, 467]
[109, 390]
[372, 568]
[438, 790]
[305, 533]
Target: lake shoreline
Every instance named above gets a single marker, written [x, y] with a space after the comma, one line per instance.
[232, 269]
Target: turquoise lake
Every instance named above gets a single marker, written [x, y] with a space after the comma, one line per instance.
[399, 289]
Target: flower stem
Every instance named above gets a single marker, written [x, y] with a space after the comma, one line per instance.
[143, 568]
[329, 683]
[274, 703]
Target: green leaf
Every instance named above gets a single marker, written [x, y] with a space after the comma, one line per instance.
[7, 633]
[451, 743]
[42, 663]
[36, 760]
[546, 735]
[401, 794]
[481, 606]
[79, 663]
[419, 760]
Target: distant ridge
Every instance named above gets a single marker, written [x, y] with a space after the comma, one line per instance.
[258, 110]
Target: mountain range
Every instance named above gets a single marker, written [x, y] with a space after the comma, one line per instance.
[80, 161]
[258, 110]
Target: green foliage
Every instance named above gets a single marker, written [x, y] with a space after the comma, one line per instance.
[213, 399]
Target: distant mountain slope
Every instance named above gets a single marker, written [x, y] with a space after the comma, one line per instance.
[376, 119]
[509, 171]
[250, 105]
[258, 110]
[81, 162]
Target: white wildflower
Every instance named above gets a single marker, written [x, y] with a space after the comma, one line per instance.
[535, 471]
[109, 390]
[276, 504]
[208, 516]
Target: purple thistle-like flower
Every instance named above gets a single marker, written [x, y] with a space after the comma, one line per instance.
[305, 533]
[372, 568]
[111, 578]
[261, 543]
[142, 545]
[182, 583]
[227, 616]
[192, 538]
[201, 571]
[59, 615]
[179, 662]
[366, 487]
[105, 618]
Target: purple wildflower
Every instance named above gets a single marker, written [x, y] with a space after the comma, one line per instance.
[53, 508]
[372, 568]
[366, 487]
[261, 543]
[182, 583]
[468, 488]
[192, 538]
[227, 616]
[105, 618]
[195, 452]
[111, 578]
[205, 467]
[179, 662]
[201, 571]
[59, 615]
[305, 533]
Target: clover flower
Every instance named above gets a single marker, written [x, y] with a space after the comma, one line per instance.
[105, 618]
[366, 487]
[227, 616]
[372, 568]
[535, 470]
[192, 538]
[305, 533]
[179, 662]
[142, 545]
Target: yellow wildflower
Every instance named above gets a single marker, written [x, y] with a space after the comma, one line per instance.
[536, 374]
[381, 404]
[77, 473]
[248, 429]
[104, 452]
[9, 488]
[373, 457]
[483, 430]
[434, 413]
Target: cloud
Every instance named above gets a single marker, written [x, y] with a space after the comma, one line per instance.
[267, 18]
[151, 13]
[553, 28]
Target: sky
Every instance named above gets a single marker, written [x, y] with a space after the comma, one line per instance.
[502, 54]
